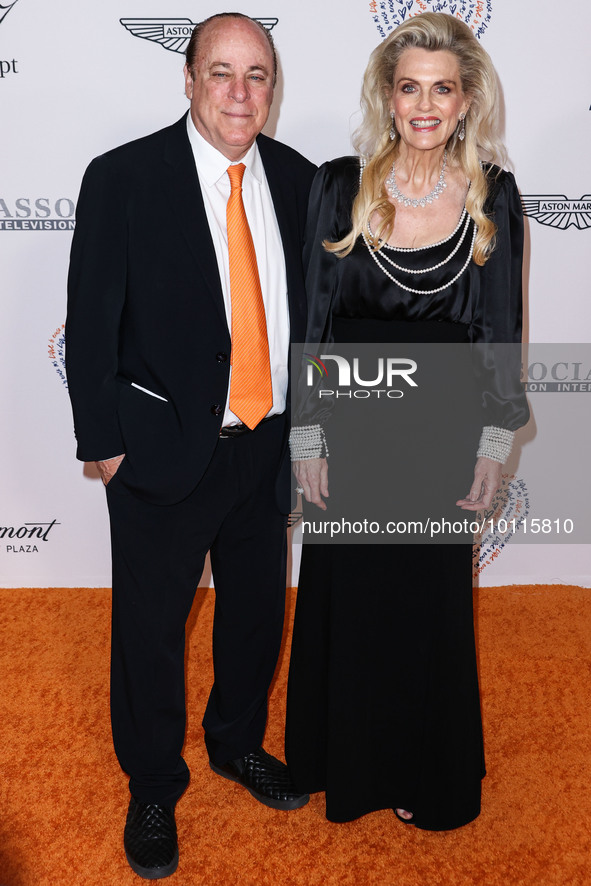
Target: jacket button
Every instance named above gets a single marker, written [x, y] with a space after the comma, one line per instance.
[221, 357]
[216, 409]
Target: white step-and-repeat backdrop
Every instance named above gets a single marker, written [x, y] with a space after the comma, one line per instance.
[77, 78]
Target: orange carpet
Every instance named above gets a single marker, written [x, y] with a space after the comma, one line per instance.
[63, 798]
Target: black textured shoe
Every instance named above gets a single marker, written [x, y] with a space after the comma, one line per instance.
[265, 777]
[150, 840]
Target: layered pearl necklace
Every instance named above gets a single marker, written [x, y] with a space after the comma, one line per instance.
[396, 194]
[464, 218]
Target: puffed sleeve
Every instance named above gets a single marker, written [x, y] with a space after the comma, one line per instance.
[329, 218]
[496, 320]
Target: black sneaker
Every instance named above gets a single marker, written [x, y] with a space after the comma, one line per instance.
[150, 840]
[265, 777]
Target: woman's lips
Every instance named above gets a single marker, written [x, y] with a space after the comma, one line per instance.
[425, 124]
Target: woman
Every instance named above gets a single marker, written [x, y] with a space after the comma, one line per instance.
[422, 244]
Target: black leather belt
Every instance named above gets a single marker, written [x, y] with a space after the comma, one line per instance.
[240, 429]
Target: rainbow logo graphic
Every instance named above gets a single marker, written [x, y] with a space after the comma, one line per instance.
[314, 363]
[317, 363]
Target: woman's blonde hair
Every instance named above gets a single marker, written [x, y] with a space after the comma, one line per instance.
[433, 31]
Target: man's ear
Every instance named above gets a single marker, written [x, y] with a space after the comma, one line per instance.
[188, 82]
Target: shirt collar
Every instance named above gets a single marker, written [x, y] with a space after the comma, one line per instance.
[212, 164]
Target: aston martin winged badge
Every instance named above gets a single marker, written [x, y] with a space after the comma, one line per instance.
[558, 211]
[172, 33]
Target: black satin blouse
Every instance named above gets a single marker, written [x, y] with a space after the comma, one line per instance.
[486, 300]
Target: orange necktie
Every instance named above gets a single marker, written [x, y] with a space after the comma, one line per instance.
[251, 392]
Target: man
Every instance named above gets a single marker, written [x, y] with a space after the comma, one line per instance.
[177, 348]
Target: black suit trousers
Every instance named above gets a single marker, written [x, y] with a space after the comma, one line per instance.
[158, 555]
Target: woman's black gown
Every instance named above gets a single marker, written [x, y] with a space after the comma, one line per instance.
[383, 702]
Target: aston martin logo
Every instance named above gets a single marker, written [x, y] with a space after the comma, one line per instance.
[172, 33]
[5, 9]
[558, 211]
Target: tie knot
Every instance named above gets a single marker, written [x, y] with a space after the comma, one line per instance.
[236, 174]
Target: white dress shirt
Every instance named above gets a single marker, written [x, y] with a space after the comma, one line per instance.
[215, 186]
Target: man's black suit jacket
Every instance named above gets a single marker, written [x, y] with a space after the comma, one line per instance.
[145, 306]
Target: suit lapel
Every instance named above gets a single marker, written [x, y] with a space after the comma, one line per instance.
[183, 189]
[282, 193]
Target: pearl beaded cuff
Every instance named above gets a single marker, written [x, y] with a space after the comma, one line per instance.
[495, 443]
[307, 441]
